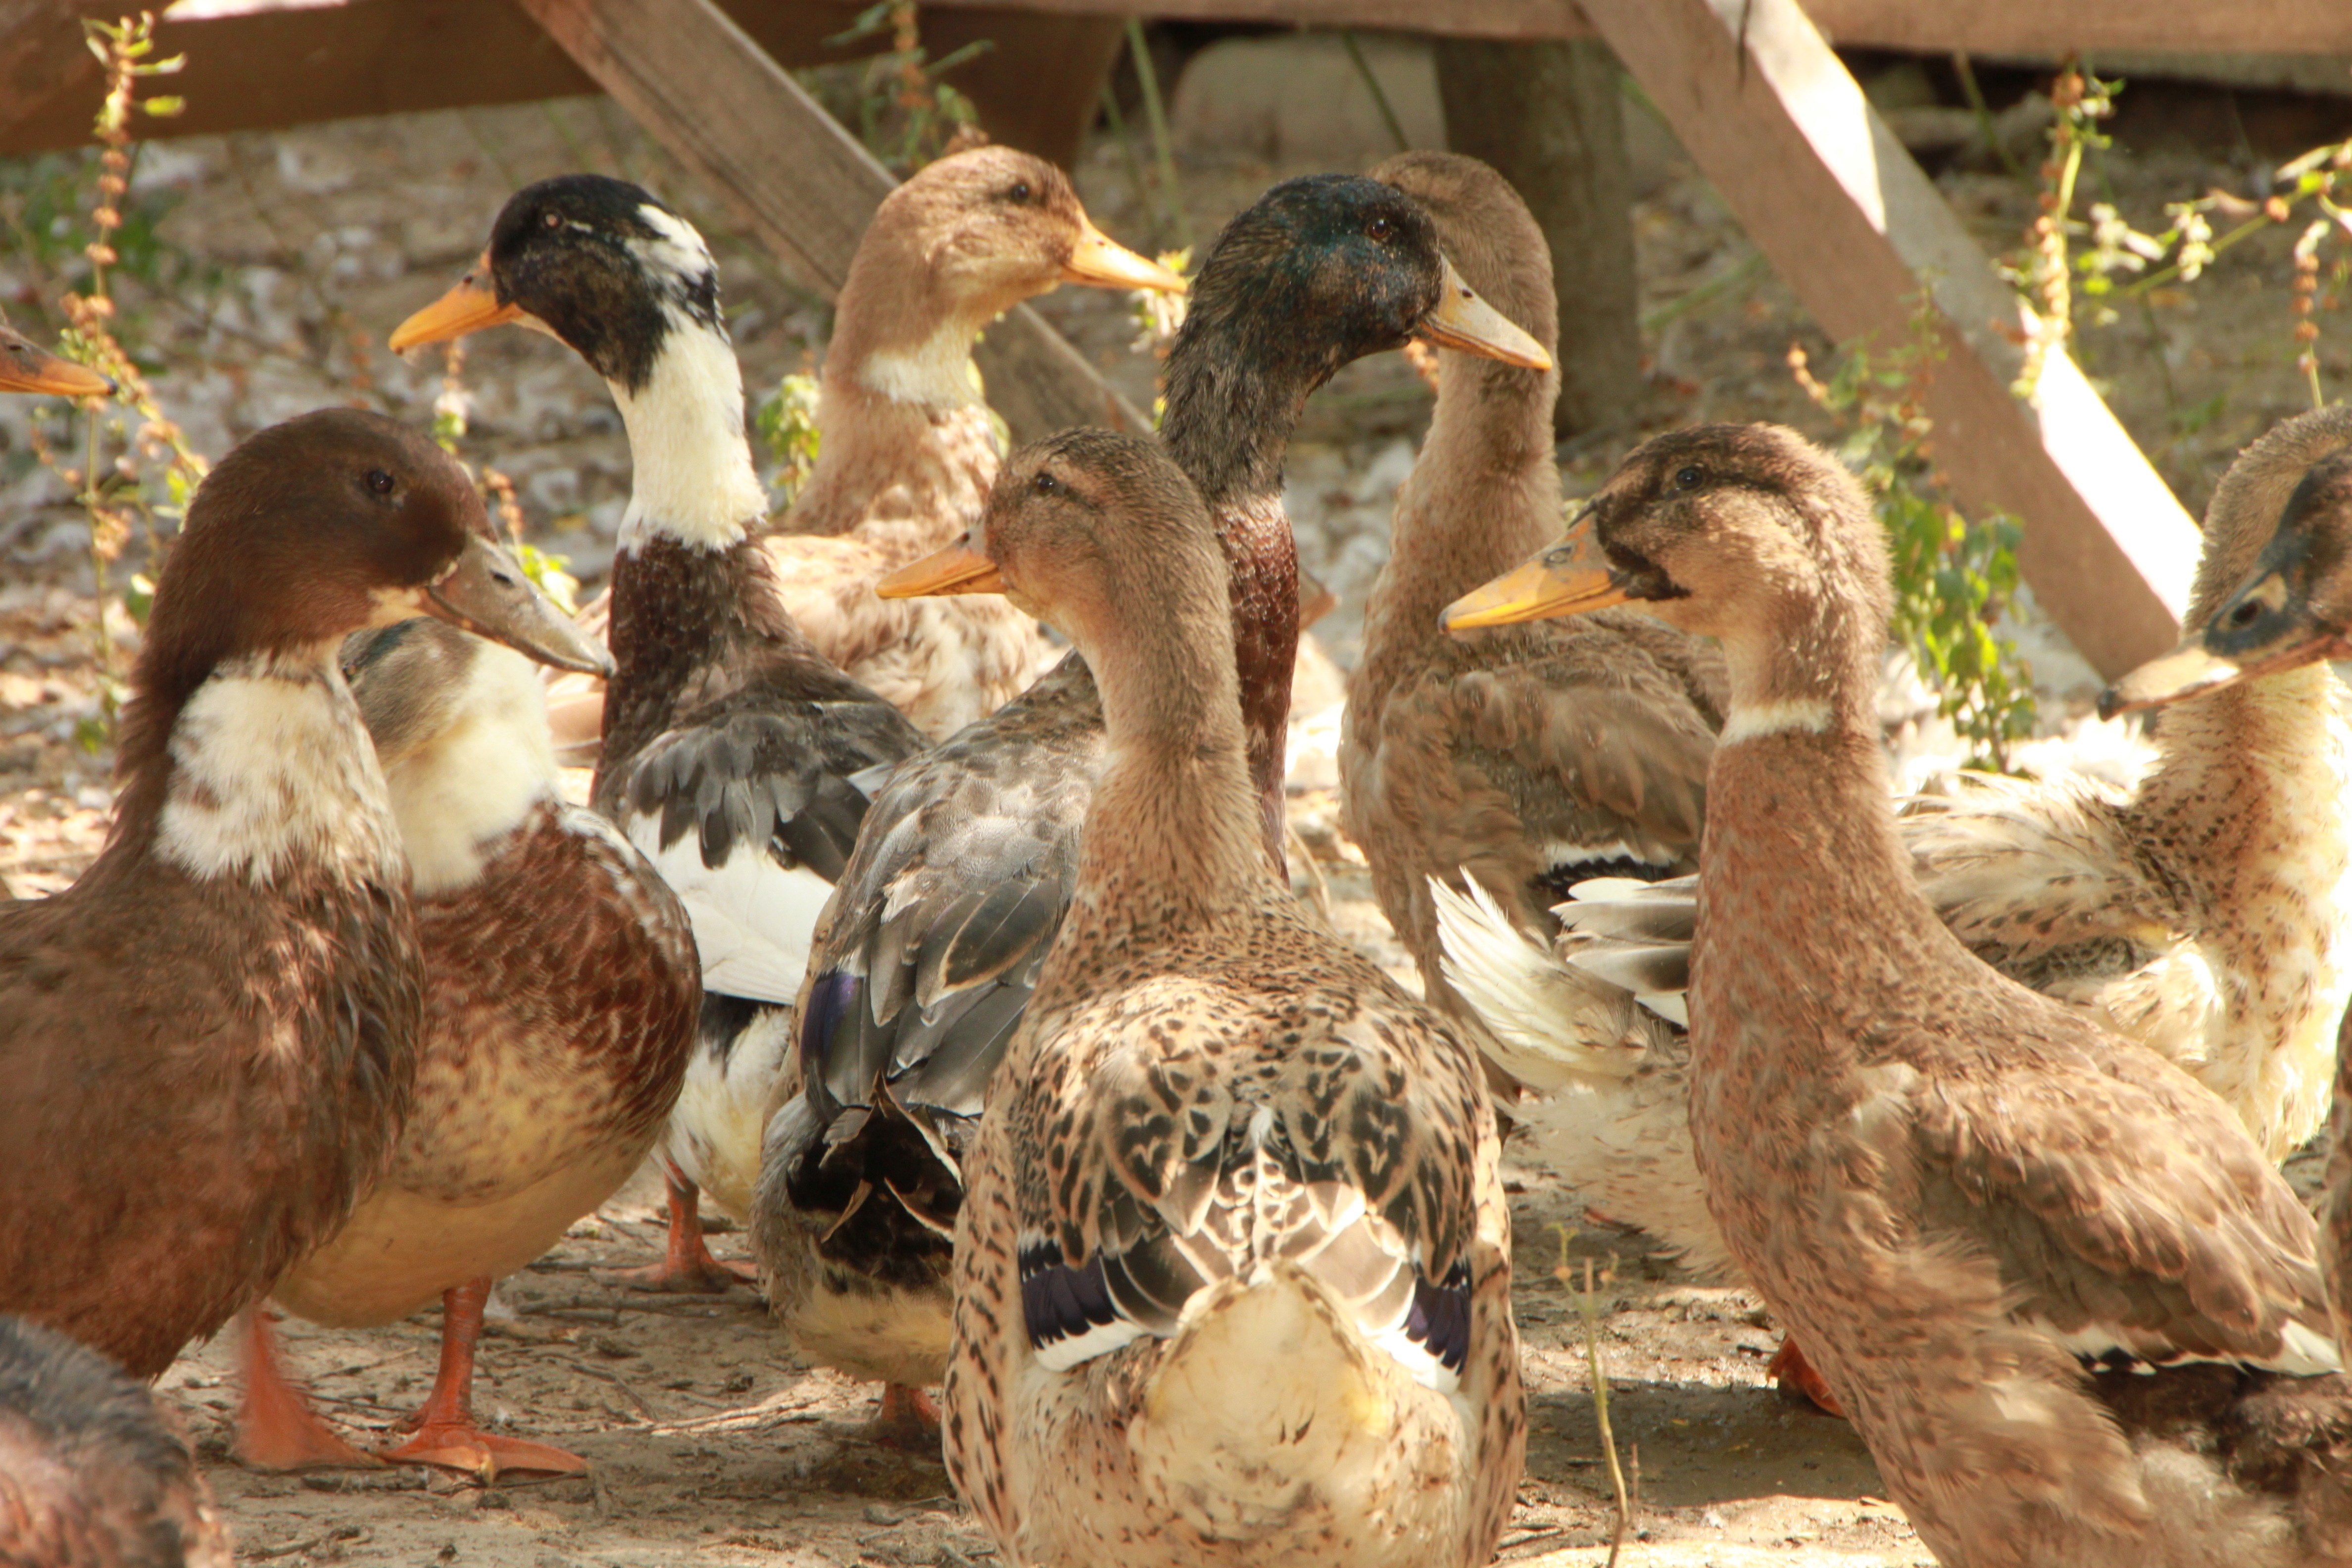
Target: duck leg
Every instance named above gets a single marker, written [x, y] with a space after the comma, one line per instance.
[908, 1421]
[686, 1266]
[275, 1428]
[447, 1432]
[1789, 1371]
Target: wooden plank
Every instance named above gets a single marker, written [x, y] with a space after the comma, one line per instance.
[1852, 223]
[725, 110]
[265, 64]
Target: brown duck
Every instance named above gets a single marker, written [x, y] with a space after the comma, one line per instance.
[1988, 1220]
[1233, 1279]
[212, 1035]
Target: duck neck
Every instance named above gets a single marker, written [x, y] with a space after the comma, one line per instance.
[679, 611]
[1173, 833]
[903, 417]
[692, 476]
[1483, 497]
[1232, 406]
[483, 775]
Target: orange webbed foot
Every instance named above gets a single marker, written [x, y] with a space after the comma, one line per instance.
[1790, 1370]
[462, 1446]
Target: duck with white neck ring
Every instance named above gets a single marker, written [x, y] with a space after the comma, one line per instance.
[560, 1000]
[906, 448]
[734, 755]
[1232, 1275]
[2056, 1284]
[965, 866]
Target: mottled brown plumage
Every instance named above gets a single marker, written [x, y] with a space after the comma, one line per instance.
[561, 997]
[211, 1036]
[2291, 610]
[92, 1473]
[1233, 1188]
[1948, 1185]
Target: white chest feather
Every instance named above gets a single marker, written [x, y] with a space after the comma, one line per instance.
[693, 478]
[480, 777]
[1800, 715]
[270, 769]
[935, 373]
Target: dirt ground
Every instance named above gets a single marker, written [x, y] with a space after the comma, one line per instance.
[282, 262]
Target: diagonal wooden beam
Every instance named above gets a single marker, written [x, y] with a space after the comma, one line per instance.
[1849, 220]
[727, 111]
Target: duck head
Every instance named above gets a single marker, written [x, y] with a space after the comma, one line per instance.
[26, 368]
[2294, 608]
[1492, 241]
[329, 524]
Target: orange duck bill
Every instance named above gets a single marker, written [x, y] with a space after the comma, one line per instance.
[1570, 578]
[25, 368]
[1102, 261]
[958, 569]
[1462, 320]
[468, 307]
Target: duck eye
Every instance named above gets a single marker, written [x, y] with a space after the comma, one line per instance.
[554, 220]
[1382, 229]
[379, 481]
[1689, 477]
[2245, 613]
[1046, 483]
[1020, 191]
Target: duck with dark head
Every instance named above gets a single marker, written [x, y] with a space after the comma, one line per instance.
[211, 1037]
[966, 864]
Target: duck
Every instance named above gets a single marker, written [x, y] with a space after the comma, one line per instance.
[93, 1474]
[2060, 1288]
[1525, 759]
[2202, 916]
[2292, 611]
[967, 862]
[212, 1034]
[735, 755]
[561, 1000]
[25, 366]
[1232, 1273]
[905, 448]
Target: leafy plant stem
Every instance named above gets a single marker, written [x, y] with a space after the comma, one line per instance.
[1163, 147]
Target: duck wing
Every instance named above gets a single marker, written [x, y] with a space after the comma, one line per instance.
[749, 808]
[947, 908]
[2129, 1215]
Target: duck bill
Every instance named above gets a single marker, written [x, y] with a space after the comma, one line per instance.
[1102, 261]
[1464, 322]
[1570, 579]
[487, 594]
[958, 569]
[467, 307]
[24, 368]
[2185, 671]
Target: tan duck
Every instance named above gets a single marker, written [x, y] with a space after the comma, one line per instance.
[211, 1037]
[92, 1473]
[1233, 1279]
[1530, 757]
[965, 866]
[2293, 611]
[2202, 915]
[905, 451]
[561, 996]
[1961, 1196]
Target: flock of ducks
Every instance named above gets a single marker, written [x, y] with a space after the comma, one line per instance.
[978, 990]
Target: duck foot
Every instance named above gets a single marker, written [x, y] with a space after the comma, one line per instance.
[446, 1433]
[1794, 1375]
[687, 1267]
[908, 1422]
[275, 1428]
